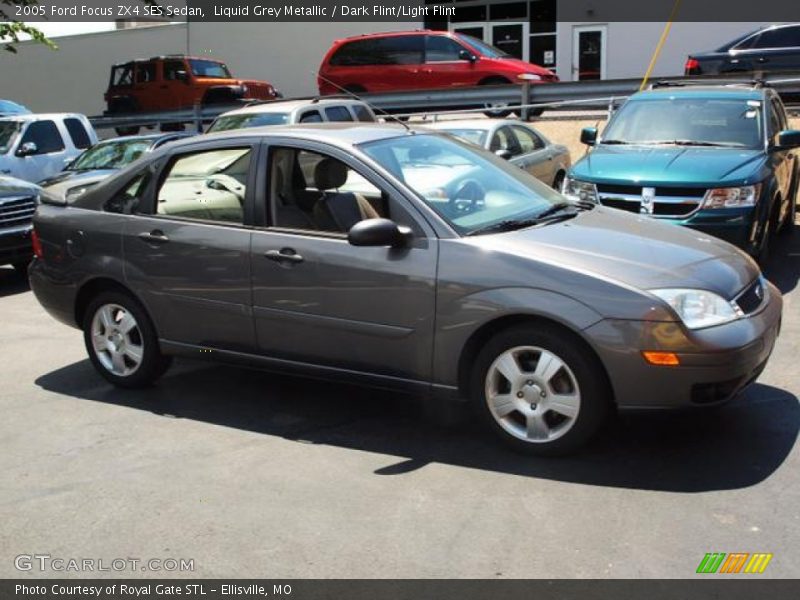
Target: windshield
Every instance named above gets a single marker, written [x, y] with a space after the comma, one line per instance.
[9, 130]
[687, 121]
[209, 68]
[482, 47]
[110, 155]
[470, 188]
[224, 123]
[474, 136]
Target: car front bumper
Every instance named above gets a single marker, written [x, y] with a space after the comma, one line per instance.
[716, 363]
[734, 225]
[15, 245]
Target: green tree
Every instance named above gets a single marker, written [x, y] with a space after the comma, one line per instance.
[11, 28]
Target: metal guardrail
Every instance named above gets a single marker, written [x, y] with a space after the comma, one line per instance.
[588, 94]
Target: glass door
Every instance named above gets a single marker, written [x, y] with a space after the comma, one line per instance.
[511, 38]
[589, 53]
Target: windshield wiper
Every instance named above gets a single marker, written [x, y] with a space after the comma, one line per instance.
[692, 143]
[557, 208]
[614, 142]
[549, 214]
[506, 225]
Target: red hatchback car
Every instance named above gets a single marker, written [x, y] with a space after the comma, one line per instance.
[389, 62]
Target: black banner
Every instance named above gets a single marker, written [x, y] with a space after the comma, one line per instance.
[747, 587]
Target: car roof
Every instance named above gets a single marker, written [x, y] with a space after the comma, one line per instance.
[286, 106]
[42, 116]
[378, 34]
[145, 137]
[486, 124]
[702, 91]
[342, 134]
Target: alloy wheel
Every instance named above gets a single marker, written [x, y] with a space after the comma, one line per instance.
[117, 340]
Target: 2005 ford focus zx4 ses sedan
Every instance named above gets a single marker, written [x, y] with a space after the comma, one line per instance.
[405, 260]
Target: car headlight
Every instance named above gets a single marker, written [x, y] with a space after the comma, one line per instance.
[575, 189]
[732, 197]
[698, 308]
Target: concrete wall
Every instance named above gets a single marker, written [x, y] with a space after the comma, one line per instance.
[630, 46]
[74, 77]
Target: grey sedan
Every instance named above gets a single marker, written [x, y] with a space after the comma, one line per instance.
[407, 260]
[517, 142]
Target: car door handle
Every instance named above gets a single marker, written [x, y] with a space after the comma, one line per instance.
[283, 255]
[763, 59]
[154, 237]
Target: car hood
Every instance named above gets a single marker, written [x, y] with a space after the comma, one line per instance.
[59, 184]
[11, 186]
[709, 167]
[524, 67]
[633, 250]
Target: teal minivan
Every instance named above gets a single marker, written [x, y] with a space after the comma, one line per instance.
[719, 159]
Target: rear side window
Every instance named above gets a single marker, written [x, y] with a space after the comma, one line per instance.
[439, 48]
[363, 113]
[338, 113]
[122, 75]
[395, 50]
[785, 37]
[78, 134]
[311, 116]
[45, 135]
[209, 186]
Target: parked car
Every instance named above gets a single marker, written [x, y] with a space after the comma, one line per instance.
[410, 60]
[177, 82]
[775, 48]
[515, 141]
[8, 108]
[287, 112]
[720, 159]
[483, 283]
[18, 201]
[102, 160]
[35, 146]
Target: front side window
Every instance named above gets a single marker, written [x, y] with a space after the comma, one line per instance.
[470, 189]
[127, 200]
[503, 139]
[172, 68]
[45, 135]
[9, 131]
[244, 121]
[110, 155]
[209, 185]
[338, 113]
[314, 192]
[482, 47]
[311, 116]
[688, 122]
[210, 69]
[440, 48]
[77, 133]
[528, 141]
[363, 113]
[783, 37]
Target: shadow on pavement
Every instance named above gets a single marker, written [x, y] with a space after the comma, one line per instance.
[12, 282]
[730, 447]
[783, 264]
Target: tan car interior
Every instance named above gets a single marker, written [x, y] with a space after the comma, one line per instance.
[323, 204]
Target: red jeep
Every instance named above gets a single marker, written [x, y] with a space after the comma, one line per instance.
[177, 82]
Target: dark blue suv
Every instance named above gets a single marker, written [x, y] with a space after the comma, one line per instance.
[720, 159]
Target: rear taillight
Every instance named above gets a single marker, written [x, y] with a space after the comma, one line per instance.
[37, 244]
[692, 66]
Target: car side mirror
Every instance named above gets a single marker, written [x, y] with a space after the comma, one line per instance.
[378, 232]
[467, 55]
[503, 153]
[27, 149]
[787, 139]
[589, 136]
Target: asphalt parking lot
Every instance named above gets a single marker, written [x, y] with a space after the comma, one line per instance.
[252, 474]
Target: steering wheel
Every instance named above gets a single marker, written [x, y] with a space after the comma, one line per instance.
[468, 197]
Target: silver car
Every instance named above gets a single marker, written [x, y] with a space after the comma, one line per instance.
[517, 142]
[413, 261]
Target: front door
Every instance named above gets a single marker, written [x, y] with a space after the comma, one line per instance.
[188, 254]
[589, 53]
[319, 300]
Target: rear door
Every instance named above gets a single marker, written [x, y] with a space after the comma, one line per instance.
[173, 89]
[399, 65]
[319, 300]
[444, 66]
[146, 87]
[188, 250]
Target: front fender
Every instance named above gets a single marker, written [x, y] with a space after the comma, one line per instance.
[459, 318]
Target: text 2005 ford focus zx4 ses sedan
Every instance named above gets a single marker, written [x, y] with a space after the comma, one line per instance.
[402, 259]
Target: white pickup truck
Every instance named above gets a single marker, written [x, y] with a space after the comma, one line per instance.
[33, 146]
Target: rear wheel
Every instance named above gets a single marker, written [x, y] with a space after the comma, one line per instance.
[124, 107]
[497, 110]
[21, 267]
[122, 342]
[540, 390]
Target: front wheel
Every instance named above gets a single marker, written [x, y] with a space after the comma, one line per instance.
[122, 342]
[540, 390]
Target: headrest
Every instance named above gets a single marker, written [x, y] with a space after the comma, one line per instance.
[330, 174]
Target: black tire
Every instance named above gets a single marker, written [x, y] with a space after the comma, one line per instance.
[595, 399]
[153, 364]
[21, 267]
[499, 113]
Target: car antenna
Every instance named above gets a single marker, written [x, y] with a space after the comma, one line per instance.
[360, 99]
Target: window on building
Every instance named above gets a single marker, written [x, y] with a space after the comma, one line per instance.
[543, 16]
[508, 10]
[543, 50]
